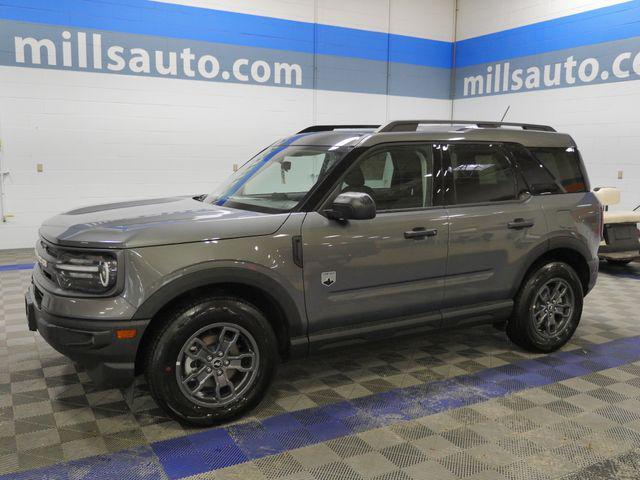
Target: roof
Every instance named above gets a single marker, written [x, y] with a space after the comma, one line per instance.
[529, 135]
[334, 138]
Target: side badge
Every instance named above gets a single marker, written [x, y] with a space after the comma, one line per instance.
[328, 278]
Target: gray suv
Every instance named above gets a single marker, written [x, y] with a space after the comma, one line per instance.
[333, 236]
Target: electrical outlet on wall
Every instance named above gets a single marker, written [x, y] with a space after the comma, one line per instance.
[620, 174]
[39, 167]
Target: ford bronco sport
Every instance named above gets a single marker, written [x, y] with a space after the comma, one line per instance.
[335, 235]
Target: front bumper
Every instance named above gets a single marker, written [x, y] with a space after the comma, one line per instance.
[91, 343]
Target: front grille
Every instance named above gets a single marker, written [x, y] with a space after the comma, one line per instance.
[37, 296]
[48, 257]
[51, 250]
[47, 274]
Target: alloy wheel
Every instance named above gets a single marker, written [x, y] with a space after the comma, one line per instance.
[217, 364]
[553, 307]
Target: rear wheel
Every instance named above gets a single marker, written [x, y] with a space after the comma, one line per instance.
[213, 360]
[547, 309]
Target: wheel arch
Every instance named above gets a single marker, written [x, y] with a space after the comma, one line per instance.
[250, 285]
[568, 250]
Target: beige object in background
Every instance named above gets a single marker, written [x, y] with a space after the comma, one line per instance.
[608, 195]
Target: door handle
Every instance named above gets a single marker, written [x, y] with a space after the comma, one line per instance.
[519, 223]
[420, 232]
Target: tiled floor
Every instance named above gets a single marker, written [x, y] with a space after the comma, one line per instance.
[418, 425]
[17, 256]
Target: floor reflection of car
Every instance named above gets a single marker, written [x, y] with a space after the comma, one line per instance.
[621, 237]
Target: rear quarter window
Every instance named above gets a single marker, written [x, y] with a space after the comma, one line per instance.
[565, 165]
[538, 179]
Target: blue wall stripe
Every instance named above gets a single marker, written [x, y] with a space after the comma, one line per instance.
[603, 53]
[226, 446]
[332, 72]
[617, 22]
[179, 21]
[19, 266]
[595, 26]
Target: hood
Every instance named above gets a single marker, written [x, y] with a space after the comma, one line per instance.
[157, 221]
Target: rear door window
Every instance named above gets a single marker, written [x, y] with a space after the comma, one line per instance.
[565, 165]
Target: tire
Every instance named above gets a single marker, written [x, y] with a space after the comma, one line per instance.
[529, 326]
[613, 261]
[186, 356]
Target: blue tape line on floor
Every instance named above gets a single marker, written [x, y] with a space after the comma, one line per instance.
[19, 266]
[227, 446]
[224, 447]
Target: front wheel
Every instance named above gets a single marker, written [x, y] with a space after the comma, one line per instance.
[547, 309]
[213, 360]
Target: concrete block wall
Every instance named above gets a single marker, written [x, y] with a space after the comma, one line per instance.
[117, 128]
[106, 132]
[594, 44]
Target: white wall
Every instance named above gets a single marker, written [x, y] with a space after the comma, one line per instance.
[432, 19]
[603, 118]
[482, 17]
[104, 138]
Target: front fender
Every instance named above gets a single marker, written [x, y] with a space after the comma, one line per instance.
[220, 273]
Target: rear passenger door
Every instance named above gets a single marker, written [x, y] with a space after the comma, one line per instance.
[494, 225]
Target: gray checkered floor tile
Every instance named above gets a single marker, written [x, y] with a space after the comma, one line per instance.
[50, 411]
[17, 256]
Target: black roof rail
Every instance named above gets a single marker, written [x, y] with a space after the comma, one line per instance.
[412, 125]
[328, 128]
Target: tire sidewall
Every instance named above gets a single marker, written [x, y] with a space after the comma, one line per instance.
[535, 282]
[161, 368]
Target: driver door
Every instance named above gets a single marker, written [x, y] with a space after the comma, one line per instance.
[369, 277]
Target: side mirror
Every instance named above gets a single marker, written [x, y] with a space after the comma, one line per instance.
[352, 206]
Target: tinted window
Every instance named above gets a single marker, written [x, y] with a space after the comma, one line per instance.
[396, 178]
[481, 173]
[537, 177]
[564, 165]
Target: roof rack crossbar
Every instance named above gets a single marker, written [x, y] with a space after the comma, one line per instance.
[328, 128]
[412, 125]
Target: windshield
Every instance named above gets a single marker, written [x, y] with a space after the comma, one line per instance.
[277, 179]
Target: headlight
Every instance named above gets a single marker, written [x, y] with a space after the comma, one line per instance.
[86, 272]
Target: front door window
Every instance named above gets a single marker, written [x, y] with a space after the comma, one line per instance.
[397, 178]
